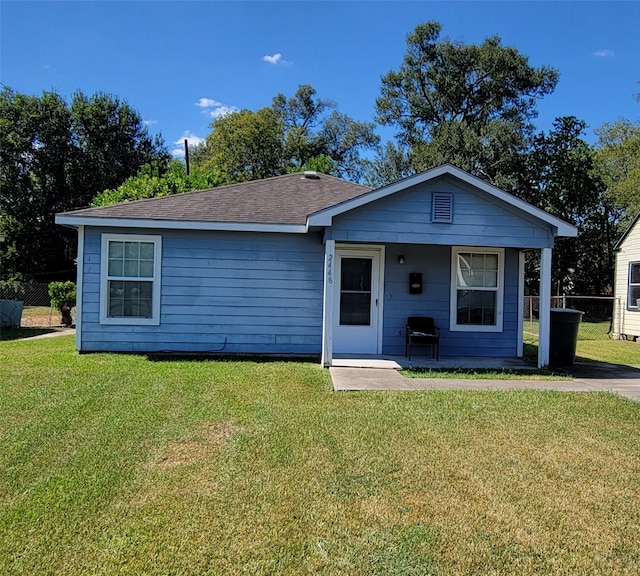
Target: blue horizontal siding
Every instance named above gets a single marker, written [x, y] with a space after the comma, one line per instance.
[434, 262]
[238, 293]
[405, 217]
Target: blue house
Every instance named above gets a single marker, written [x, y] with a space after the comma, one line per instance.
[313, 265]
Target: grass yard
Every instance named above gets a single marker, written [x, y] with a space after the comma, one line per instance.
[603, 349]
[113, 464]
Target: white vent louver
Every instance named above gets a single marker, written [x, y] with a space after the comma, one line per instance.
[442, 209]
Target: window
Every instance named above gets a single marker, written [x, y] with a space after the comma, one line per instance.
[477, 289]
[130, 280]
[633, 294]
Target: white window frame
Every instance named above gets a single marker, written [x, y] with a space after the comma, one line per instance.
[453, 310]
[631, 305]
[156, 280]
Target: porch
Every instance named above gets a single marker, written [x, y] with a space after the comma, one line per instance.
[390, 362]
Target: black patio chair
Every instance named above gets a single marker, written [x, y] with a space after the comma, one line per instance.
[422, 330]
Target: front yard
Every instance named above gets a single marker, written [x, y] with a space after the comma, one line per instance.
[113, 464]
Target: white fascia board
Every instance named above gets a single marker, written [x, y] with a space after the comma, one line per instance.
[74, 221]
[325, 217]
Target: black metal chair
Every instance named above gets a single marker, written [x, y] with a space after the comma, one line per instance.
[422, 330]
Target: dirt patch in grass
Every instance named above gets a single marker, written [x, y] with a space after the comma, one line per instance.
[207, 439]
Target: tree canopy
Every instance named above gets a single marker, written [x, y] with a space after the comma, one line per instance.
[56, 156]
[558, 176]
[293, 134]
[158, 179]
[618, 162]
[471, 105]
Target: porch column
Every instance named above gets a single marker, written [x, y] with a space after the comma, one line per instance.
[520, 343]
[545, 307]
[327, 311]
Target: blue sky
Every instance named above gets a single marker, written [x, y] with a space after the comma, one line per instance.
[181, 63]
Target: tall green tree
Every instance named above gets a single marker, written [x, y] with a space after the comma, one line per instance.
[56, 157]
[558, 176]
[296, 133]
[243, 146]
[312, 127]
[471, 105]
[618, 163]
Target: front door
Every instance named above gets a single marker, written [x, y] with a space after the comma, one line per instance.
[357, 301]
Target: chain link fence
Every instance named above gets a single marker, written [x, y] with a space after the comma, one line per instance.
[37, 311]
[596, 319]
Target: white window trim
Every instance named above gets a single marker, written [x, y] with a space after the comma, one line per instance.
[104, 284]
[453, 299]
[631, 305]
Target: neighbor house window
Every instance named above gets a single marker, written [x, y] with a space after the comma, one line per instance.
[633, 294]
[477, 276]
[130, 283]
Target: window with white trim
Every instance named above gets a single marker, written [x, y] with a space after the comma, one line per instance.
[477, 289]
[633, 292]
[130, 279]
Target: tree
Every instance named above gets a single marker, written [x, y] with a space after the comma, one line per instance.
[471, 105]
[311, 131]
[558, 176]
[243, 146]
[294, 134]
[55, 157]
[618, 163]
[155, 180]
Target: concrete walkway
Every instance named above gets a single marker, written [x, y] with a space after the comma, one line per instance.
[62, 332]
[623, 380]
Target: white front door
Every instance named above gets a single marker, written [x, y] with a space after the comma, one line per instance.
[357, 312]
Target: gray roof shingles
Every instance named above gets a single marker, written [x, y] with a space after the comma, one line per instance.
[288, 199]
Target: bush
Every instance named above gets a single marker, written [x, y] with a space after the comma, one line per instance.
[63, 298]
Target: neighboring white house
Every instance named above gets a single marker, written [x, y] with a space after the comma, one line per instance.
[626, 315]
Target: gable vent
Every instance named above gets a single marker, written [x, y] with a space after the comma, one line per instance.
[442, 209]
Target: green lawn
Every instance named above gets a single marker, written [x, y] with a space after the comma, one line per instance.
[114, 464]
[603, 349]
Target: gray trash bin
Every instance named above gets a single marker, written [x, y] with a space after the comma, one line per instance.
[563, 337]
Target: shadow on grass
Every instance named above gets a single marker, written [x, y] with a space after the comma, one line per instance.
[7, 334]
[227, 357]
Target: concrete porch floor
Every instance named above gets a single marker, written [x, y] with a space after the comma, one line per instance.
[447, 362]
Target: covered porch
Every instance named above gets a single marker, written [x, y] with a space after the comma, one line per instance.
[391, 303]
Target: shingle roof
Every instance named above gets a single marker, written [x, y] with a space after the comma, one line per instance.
[285, 199]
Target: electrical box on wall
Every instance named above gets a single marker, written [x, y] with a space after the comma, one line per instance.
[415, 283]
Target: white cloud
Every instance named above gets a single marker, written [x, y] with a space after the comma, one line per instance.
[222, 111]
[149, 122]
[207, 103]
[276, 59]
[273, 59]
[604, 53]
[215, 109]
[191, 139]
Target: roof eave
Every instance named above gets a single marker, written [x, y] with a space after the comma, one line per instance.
[79, 220]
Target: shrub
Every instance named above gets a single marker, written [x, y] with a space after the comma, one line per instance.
[63, 298]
